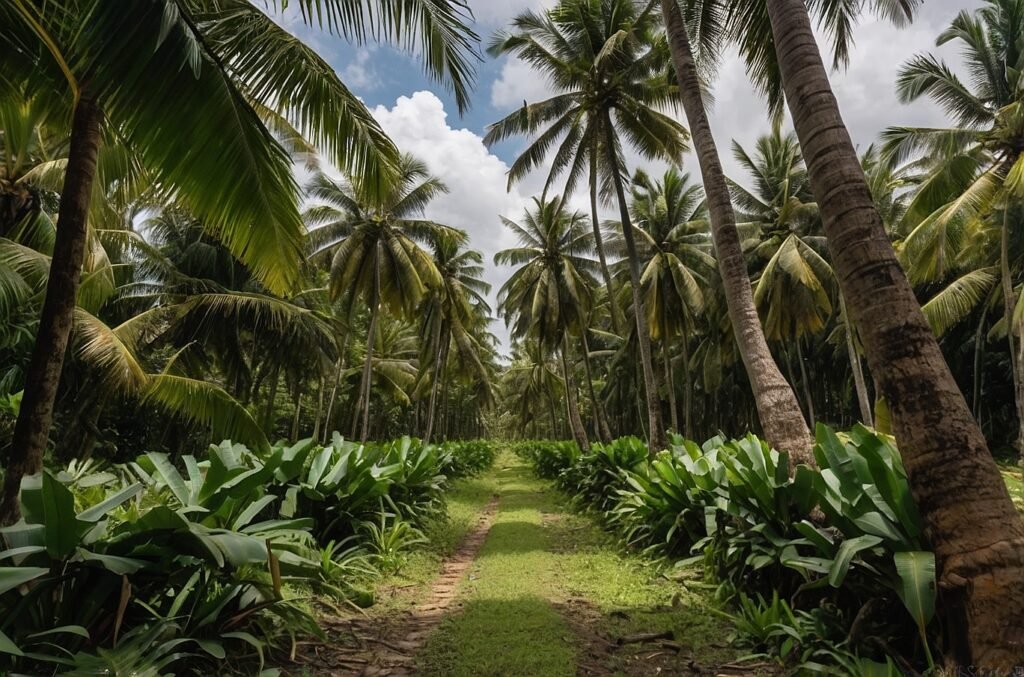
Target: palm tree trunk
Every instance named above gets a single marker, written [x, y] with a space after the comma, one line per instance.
[363, 405]
[656, 439]
[777, 407]
[551, 413]
[670, 384]
[604, 433]
[808, 395]
[976, 533]
[863, 401]
[687, 389]
[268, 415]
[1010, 309]
[339, 368]
[297, 394]
[42, 377]
[979, 346]
[319, 408]
[579, 431]
[613, 307]
[440, 356]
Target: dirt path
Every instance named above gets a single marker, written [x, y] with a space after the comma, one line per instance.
[371, 645]
[534, 590]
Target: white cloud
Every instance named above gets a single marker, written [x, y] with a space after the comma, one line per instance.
[359, 73]
[475, 178]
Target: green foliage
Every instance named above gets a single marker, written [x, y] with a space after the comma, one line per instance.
[137, 567]
[468, 459]
[831, 544]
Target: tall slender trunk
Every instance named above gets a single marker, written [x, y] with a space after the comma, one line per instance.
[551, 413]
[604, 433]
[976, 533]
[859, 385]
[979, 346]
[613, 307]
[670, 384]
[268, 414]
[440, 358]
[42, 378]
[808, 395]
[297, 394]
[579, 431]
[319, 408]
[338, 370]
[656, 439]
[363, 404]
[687, 389]
[1010, 308]
[777, 408]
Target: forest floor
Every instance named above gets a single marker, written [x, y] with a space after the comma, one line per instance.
[517, 583]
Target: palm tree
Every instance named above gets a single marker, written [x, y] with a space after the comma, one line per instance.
[943, 447]
[609, 64]
[671, 228]
[450, 313]
[973, 171]
[795, 284]
[208, 71]
[549, 294]
[783, 424]
[371, 235]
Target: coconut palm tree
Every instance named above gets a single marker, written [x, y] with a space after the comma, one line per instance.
[372, 236]
[450, 313]
[549, 295]
[675, 247]
[608, 62]
[942, 445]
[973, 172]
[794, 286]
[211, 71]
[783, 424]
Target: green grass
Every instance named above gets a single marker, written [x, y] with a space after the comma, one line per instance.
[542, 563]
[1012, 475]
[465, 501]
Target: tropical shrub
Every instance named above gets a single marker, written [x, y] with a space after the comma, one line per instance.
[469, 458]
[837, 543]
[548, 458]
[156, 561]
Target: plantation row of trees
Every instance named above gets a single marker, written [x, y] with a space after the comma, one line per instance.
[162, 274]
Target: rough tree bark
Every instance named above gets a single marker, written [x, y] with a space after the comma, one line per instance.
[777, 408]
[972, 525]
[42, 377]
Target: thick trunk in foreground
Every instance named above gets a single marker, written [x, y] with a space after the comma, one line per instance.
[579, 431]
[363, 402]
[972, 525]
[656, 432]
[55, 323]
[777, 408]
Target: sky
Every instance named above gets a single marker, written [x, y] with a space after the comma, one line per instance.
[422, 118]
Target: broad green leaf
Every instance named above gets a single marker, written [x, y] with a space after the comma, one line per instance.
[844, 557]
[171, 477]
[916, 571]
[100, 510]
[59, 518]
[12, 577]
[8, 646]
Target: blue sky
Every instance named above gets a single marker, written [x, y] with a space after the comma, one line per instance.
[422, 118]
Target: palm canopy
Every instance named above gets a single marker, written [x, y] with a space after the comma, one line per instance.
[549, 293]
[360, 226]
[968, 170]
[609, 63]
[674, 246]
[224, 75]
[794, 289]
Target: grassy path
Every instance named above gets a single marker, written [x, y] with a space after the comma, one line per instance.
[549, 595]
